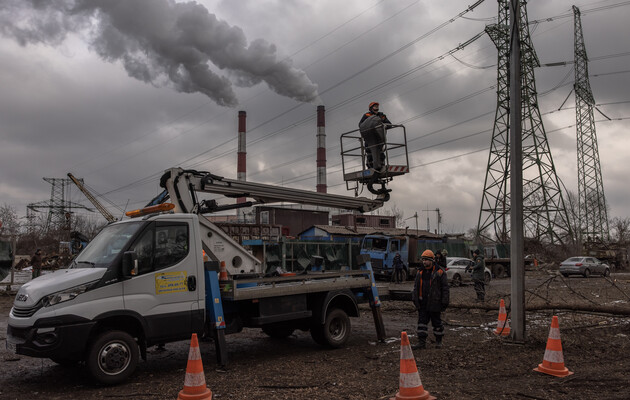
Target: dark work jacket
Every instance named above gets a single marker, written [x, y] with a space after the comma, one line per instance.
[438, 293]
[478, 270]
[382, 116]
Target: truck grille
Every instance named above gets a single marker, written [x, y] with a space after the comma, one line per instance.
[25, 312]
[377, 264]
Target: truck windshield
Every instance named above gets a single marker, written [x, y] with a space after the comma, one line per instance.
[106, 245]
[377, 244]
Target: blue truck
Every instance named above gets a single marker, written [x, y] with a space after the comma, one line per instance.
[383, 248]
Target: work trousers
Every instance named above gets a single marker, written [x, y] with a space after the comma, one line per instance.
[424, 317]
[373, 133]
[398, 275]
[480, 289]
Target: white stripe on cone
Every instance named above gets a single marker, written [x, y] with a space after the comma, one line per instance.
[406, 353]
[410, 380]
[194, 354]
[554, 356]
[554, 333]
[195, 379]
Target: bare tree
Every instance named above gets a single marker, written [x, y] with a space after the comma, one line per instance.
[398, 213]
[10, 222]
[620, 228]
[88, 226]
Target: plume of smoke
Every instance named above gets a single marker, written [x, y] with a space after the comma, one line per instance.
[161, 42]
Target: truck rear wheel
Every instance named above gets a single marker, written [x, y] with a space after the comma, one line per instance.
[112, 357]
[337, 328]
[335, 332]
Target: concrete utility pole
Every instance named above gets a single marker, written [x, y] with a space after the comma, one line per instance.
[517, 305]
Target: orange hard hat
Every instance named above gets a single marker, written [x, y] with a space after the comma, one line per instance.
[428, 254]
[372, 104]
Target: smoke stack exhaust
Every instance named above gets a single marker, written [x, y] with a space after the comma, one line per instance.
[321, 150]
[241, 167]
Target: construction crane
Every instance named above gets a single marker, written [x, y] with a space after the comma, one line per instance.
[106, 214]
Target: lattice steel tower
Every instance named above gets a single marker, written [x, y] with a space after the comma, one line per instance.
[544, 213]
[59, 209]
[593, 216]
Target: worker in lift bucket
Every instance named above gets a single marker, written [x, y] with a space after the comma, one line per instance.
[372, 126]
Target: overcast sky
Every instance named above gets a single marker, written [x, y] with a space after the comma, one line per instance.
[118, 91]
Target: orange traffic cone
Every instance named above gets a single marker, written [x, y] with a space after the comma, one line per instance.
[503, 326]
[410, 386]
[223, 276]
[553, 360]
[195, 381]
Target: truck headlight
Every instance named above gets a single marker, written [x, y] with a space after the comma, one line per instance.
[65, 295]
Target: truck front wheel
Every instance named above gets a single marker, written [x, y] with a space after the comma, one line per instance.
[113, 357]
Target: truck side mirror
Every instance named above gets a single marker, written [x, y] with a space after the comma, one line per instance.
[129, 264]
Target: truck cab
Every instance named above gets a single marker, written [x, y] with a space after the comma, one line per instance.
[382, 250]
[138, 280]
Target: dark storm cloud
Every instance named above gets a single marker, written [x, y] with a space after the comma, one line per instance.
[161, 42]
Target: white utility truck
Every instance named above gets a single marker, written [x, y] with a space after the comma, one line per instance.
[157, 278]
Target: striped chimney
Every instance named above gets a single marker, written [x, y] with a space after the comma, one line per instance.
[321, 150]
[241, 168]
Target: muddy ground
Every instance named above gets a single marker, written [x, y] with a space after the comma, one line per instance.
[474, 363]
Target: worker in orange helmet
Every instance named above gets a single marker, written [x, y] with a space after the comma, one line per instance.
[372, 127]
[430, 295]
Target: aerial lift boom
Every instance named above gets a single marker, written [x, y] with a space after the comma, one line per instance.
[182, 186]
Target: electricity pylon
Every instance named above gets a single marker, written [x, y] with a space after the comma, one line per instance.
[544, 213]
[59, 209]
[593, 216]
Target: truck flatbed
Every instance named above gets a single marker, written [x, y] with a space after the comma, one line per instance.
[298, 284]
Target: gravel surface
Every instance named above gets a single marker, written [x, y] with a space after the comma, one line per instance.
[473, 364]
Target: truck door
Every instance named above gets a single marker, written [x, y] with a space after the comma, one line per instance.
[165, 290]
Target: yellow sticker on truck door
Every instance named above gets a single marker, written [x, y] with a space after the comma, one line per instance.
[170, 282]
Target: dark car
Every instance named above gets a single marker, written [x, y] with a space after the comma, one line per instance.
[584, 266]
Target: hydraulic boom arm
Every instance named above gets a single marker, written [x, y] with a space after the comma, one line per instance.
[182, 184]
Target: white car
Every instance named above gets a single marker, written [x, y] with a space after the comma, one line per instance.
[456, 271]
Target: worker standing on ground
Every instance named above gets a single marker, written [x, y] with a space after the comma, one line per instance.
[440, 259]
[372, 127]
[36, 263]
[430, 296]
[479, 275]
[399, 267]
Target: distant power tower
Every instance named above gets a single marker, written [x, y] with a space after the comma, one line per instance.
[544, 213]
[593, 216]
[59, 209]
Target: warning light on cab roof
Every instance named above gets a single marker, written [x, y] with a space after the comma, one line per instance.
[150, 210]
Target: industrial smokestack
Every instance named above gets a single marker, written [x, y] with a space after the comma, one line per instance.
[241, 167]
[321, 150]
